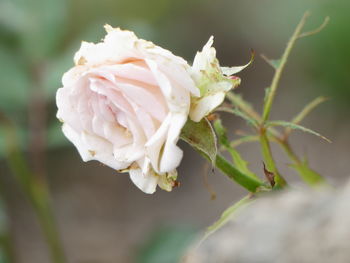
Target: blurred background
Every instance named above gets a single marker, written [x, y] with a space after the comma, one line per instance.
[102, 217]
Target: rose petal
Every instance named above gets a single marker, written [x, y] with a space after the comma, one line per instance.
[146, 182]
[172, 154]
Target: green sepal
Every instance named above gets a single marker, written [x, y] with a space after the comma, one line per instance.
[201, 136]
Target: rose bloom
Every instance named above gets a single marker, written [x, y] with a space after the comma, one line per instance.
[126, 100]
[124, 104]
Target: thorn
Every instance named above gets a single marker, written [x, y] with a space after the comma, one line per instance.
[269, 175]
[176, 184]
[213, 117]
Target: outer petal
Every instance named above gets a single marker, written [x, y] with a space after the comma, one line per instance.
[146, 182]
[154, 146]
[177, 97]
[117, 46]
[171, 156]
[93, 148]
[205, 105]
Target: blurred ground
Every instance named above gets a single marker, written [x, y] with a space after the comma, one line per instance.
[102, 216]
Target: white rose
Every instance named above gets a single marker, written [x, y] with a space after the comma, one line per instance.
[124, 104]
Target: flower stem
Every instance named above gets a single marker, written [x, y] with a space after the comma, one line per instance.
[249, 183]
[268, 158]
[36, 190]
[279, 69]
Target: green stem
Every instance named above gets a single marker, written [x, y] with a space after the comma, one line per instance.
[35, 189]
[234, 174]
[279, 69]
[269, 161]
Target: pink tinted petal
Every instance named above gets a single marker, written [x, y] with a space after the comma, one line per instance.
[154, 145]
[102, 150]
[146, 121]
[145, 99]
[180, 75]
[133, 71]
[116, 134]
[71, 77]
[105, 111]
[178, 98]
[105, 88]
[65, 109]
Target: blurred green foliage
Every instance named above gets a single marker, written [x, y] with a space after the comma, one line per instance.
[6, 253]
[166, 245]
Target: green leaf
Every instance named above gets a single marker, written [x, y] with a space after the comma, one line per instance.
[251, 121]
[227, 215]
[239, 162]
[244, 139]
[305, 111]
[166, 244]
[201, 136]
[221, 132]
[307, 174]
[308, 108]
[275, 63]
[296, 127]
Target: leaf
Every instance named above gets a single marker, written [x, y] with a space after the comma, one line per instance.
[239, 162]
[227, 215]
[251, 121]
[201, 136]
[308, 108]
[309, 176]
[244, 139]
[275, 63]
[305, 111]
[296, 127]
[228, 71]
[221, 132]
[238, 101]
